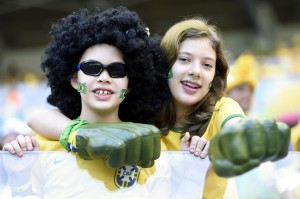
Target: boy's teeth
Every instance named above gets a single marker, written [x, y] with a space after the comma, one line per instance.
[102, 92]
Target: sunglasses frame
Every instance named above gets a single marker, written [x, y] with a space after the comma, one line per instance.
[102, 68]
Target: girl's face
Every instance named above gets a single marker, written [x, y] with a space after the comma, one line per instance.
[101, 94]
[193, 71]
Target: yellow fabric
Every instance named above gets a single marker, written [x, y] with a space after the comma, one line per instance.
[48, 145]
[72, 138]
[215, 186]
[295, 137]
[97, 168]
[171, 142]
[226, 108]
[243, 71]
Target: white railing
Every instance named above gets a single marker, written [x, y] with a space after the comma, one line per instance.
[57, 174]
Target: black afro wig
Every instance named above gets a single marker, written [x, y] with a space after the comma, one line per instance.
[119, 27]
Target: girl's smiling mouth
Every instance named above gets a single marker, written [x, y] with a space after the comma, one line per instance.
[192, 85]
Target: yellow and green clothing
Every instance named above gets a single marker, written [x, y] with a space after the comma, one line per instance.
[226, 108]
[111, 178]
[97, 170]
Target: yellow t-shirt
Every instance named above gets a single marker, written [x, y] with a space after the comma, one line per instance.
[226, 108]
[111, 177]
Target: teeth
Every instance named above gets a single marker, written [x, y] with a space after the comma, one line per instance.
[103, 92]
[191, 85]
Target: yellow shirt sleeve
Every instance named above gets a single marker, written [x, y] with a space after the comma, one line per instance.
[225, 109]
[48, 145]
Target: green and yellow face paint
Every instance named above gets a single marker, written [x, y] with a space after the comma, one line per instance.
[81, 87]
[123, 93]
[170, 74]
[209, 86]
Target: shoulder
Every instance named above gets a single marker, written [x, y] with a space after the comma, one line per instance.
[224, 101]
[225, 109]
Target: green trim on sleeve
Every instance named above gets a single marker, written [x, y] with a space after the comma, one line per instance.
[178, 129]
[232, 116]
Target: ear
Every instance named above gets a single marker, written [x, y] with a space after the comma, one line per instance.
[74, 81]
[128, 90]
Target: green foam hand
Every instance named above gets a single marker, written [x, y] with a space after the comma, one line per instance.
[122, 143]
[244, 146]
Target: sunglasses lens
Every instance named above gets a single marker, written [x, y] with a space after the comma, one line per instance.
[117, 70]
[94, 68]
[91, 68]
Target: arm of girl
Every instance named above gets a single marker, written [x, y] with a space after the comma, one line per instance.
[49, 123]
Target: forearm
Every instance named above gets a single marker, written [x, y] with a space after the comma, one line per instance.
[49, 123]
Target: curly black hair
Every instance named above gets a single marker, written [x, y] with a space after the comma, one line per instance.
[119, 27]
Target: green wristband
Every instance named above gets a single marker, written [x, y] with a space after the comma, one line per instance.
[72, 126]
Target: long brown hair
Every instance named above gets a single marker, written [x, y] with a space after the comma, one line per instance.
[196, 121]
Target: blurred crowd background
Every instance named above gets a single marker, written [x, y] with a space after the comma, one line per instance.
[270, 30]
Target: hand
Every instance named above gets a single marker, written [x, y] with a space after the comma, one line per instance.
[17, 167]
[242, 147]
[20, 144]
[120, 143]
[197, 145]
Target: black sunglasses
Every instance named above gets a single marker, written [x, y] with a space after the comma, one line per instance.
[95, 68]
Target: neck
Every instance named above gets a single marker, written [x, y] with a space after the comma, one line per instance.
[181, 113]
[179, 121]
[100, 116]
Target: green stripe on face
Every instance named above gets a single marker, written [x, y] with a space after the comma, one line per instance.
[170, 74]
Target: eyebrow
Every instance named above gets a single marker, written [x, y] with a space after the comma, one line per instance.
[210, 59]
[184, 52]
[187, 53]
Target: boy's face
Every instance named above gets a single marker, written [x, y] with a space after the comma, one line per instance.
[101, 94]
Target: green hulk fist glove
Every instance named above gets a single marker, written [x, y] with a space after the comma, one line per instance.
[242, 147]
[122, 143]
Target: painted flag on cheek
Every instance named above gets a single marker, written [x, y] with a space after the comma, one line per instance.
[81, 87]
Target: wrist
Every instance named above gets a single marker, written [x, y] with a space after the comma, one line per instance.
[21, 188]
[72, 126]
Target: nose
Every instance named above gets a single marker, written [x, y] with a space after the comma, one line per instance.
[104, 77]
[195, 69]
